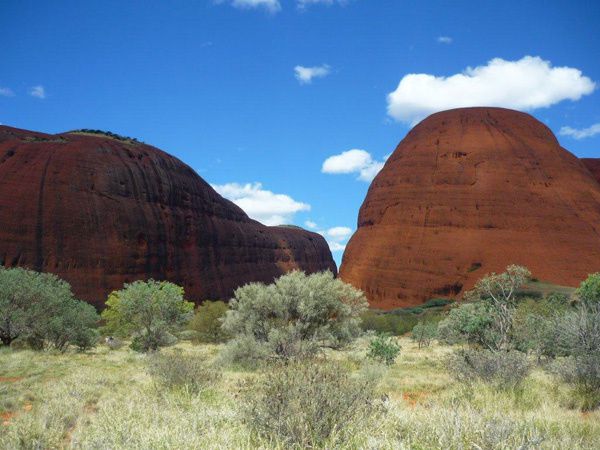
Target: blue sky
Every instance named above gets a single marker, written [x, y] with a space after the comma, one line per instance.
[256, 95]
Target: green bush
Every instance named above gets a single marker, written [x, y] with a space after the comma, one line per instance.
[589, 290]
[310, 404]
[384, 348]
[423, 333]
[399, 322]
[174, 370]
[295, 317]
[536, 326]
[437, 303]
[470, 323]
[40, 309]
[150, 311]
[502, 369]
[207, 322]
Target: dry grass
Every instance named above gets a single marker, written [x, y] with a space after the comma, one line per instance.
[106, 399]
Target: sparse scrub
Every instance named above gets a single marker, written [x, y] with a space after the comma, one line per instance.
[503, 369]
[581, 334]
[104, 399]
[310, 404]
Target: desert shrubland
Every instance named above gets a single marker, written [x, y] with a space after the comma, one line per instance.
[316, 381]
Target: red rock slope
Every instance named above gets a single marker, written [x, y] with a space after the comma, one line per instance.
[593, 165]
[100, 211]
[467, 192]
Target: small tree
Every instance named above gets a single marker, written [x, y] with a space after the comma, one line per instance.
[423, 333]
[498, 291]
[40, 308]
[150, 310]
[15, 302]
[207, 322]
[295, 316]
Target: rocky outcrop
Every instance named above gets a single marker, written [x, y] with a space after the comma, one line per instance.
[101, 210]
[593, 165]
[467, 192]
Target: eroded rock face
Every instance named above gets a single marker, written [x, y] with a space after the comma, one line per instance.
[99, 212]
[593, 165]
[467, 192]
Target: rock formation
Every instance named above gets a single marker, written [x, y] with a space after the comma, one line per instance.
[467, 192]
[593, 165]
[100, 210]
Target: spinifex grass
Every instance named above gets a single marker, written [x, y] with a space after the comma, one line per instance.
[107, 399]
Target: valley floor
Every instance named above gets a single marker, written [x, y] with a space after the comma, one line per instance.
[105, 399]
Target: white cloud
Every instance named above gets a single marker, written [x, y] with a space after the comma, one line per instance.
[305, 75]
[353, 161]
[336, 246]
[303, 4]
[260, 204]
[580, 133]
[6, 92]
[339, 233]
[526, 84]
[336, 237]
[444, 40]
[38, 92]
[272, 6]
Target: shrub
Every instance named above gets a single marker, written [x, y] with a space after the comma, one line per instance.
[437, 302]
[380, 322]
[40, 309]
[207, 321]
[498, 293]
[468, 322]
[174, 370]
[503, 369]
[580, 332]
[148, 310]
[536, 326]
[309, 404]
[400, 321]
[113, 343]
[423, 333]
[294, 317]
[487, 319]
[384, 348]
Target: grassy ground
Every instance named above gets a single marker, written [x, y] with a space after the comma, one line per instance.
[105, 399]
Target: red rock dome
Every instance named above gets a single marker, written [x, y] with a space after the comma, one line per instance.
[467, 192]
[593, 165]
[99, 211]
